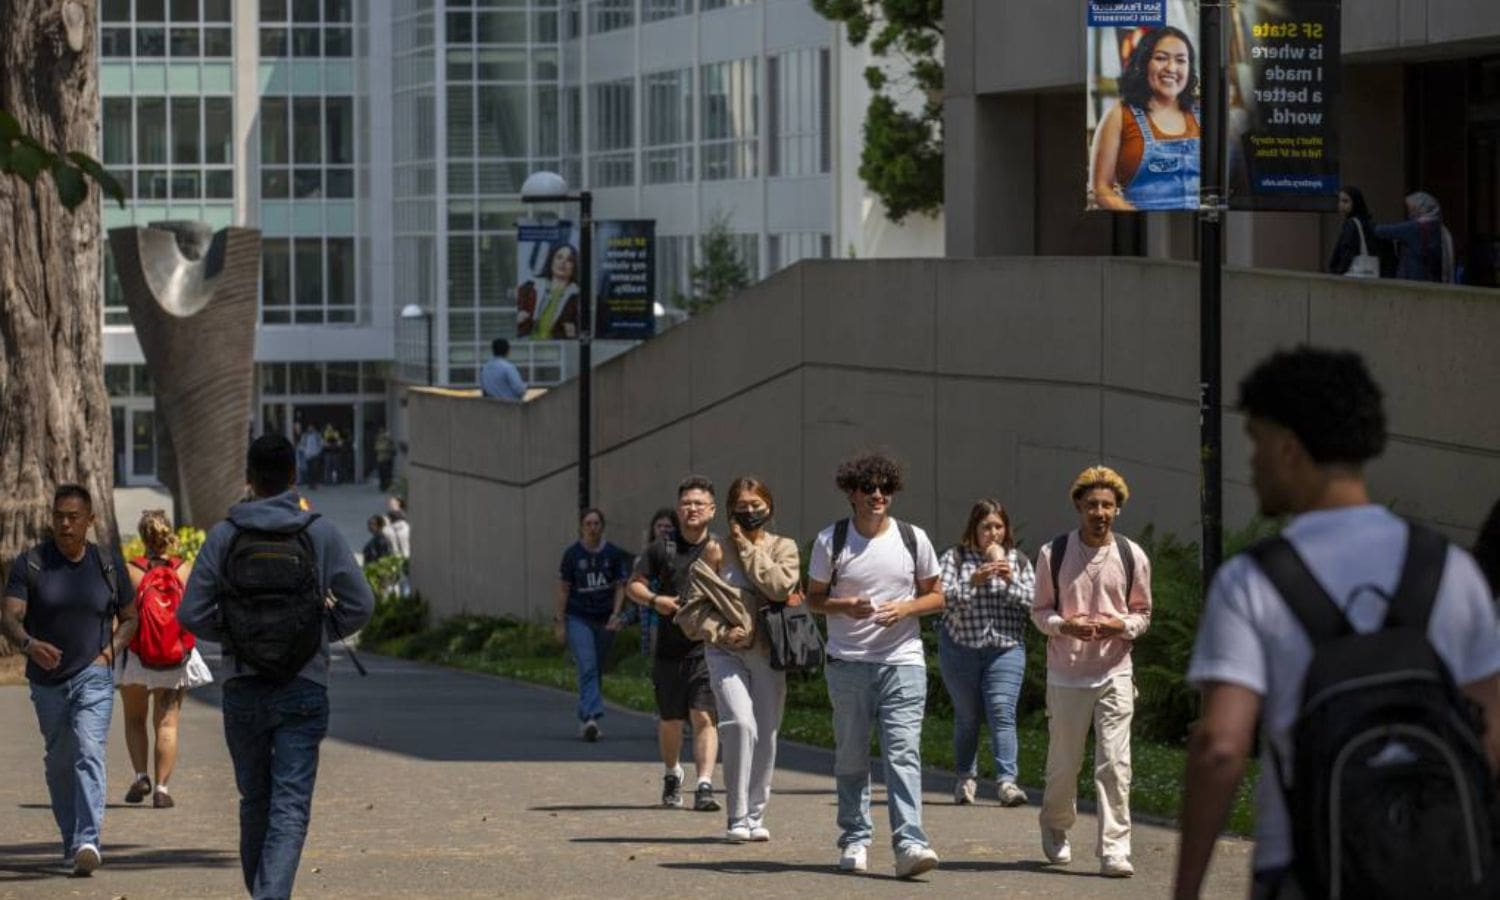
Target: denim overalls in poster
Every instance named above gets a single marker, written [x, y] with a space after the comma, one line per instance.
[1168, 174]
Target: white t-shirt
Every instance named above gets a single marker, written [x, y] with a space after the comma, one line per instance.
[1249, 637]
[881, 570]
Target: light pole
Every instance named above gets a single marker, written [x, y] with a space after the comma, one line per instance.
[550, 187]
[413, 311]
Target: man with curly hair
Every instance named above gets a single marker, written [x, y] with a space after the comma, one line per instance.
[873, 576]
[1093, 599]
[1315, 418]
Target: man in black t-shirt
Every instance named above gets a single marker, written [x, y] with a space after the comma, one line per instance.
[64, 609]
[679, 672]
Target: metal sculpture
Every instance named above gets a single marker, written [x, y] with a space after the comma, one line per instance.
[192, 298]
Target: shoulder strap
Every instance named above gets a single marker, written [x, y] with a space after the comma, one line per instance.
[1059, 547]
[1364, 248]
[909, 538]
[1416, 592]
[33, 571]
[1320, 617]
[840, 538]
[1127, 557]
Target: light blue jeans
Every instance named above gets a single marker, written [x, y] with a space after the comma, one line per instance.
[74, 719]
[893, 699]
[589, 641]
[982, 682]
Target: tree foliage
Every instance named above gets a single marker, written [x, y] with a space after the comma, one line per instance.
[721, 273]
[902, 159]
[24, 156]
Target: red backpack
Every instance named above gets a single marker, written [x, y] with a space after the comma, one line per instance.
[161, 643]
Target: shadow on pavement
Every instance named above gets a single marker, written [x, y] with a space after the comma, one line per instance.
[31, 862]
[774, 867]
[649, 839]
[638, 807]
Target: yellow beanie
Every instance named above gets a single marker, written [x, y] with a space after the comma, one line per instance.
[1100, 476]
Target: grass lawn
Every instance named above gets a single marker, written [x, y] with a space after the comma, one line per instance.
[528, 653]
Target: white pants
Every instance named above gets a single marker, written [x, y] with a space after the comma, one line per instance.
[1070, 712]
[751, 695]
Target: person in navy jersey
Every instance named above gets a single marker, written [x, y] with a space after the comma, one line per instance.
[590, 598]
[64, 609]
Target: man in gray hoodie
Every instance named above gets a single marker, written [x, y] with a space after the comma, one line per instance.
[274, 729]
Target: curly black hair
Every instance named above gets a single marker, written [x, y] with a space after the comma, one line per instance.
[1326, 397]
[858, 470]
[1135, 89]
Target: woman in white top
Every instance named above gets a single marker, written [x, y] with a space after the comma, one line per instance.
[159, 690]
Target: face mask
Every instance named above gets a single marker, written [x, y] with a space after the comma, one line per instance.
[752, 520]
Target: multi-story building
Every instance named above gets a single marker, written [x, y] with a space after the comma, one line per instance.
[380, 146]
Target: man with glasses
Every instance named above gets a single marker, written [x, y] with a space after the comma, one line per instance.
[873, 576]
[679, 671]
[63, 608]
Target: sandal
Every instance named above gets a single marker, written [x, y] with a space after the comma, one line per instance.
[138, 790]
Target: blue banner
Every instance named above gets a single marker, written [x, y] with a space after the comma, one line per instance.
[1127, 13]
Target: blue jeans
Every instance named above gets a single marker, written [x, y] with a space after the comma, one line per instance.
[74, 719]
[589, 642]
[986, 682]
[892, 698]
[273, 732]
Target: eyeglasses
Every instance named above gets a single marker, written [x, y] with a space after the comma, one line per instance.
[870, 487]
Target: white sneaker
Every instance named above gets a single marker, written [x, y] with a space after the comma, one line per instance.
[854, 859]
[85, 861]
[739, 834]
[963, 791]
[1116, 867]
[914, 859]
[589, 731]
[1055, 846]
[760, 833]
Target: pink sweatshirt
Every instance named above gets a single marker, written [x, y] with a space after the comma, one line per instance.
[1093, 583]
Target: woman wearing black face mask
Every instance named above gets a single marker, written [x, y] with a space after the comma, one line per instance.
[750, 694]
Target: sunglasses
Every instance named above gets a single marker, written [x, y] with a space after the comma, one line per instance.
[870, 487]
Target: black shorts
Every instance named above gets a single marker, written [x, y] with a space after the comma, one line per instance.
[682, 685]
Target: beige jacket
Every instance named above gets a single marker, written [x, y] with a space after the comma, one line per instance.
[712, 606]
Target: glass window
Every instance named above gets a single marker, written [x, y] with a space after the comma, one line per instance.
[216, 10]
[669, 126]
[151, 130]
[218, 130]
[797, 98]
[184, 42]
[150, 42]
[151, 184]
[218, 184]
[185, 137]
[150, 10]
[114, 11]
[339, 183]
[337, 11]
[502, 120]
[339, 131]
[730, 119]
[305, 10]
[273, 378]
[707, 5]
[306, 377]
[307, 184]
[276, 272]
[496, 64]
[187, 184]
[460, 121]
[338, 42]
[184, 10]
[308, 271]
[307, 131]
[116, 42]
[343, 378]
[273, 43]
[216, 42]
[274, 139]
[656, 10]
[501, 27]
[273, 10]
[307, 42]
[610, 15]
[340, 272]
[117, 380]
[275, 184]
[116, 131]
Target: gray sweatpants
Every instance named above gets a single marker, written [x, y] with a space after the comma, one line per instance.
[751, 695]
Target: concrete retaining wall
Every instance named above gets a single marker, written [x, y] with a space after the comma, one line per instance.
[995, 377]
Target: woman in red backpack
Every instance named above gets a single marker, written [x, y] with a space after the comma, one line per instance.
[162, 663]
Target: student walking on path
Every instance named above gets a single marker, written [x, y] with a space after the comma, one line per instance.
[64, 608]
[765, 567]
[162, 664]
[987, 592]
[590, 601]
[1093, 598]
[270, 583]
[873, 577]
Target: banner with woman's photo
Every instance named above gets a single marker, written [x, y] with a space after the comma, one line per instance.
[548, 302]
[1145, 144]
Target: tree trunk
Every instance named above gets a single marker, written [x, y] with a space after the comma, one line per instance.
[54, 413]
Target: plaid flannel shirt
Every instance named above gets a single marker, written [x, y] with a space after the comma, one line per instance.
[994, 614]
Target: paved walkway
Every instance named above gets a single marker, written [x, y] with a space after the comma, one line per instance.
[437, 783]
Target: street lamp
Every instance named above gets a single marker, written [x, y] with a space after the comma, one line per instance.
[550, 187]
[413, 311]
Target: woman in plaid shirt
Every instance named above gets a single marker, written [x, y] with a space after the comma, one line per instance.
[987, 589]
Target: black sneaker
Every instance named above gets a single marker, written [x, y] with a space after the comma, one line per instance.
[671, 790]
[139, 790]
[703, 798]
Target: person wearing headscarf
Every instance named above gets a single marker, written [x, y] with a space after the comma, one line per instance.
[1424, 246]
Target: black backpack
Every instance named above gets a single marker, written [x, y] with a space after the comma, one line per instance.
[1391, 793]
[272, 609]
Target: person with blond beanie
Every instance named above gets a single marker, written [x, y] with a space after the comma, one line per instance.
[149, 686]
[1093, 599]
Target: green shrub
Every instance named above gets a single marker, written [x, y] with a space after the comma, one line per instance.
[189, 542]
[395, 616]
